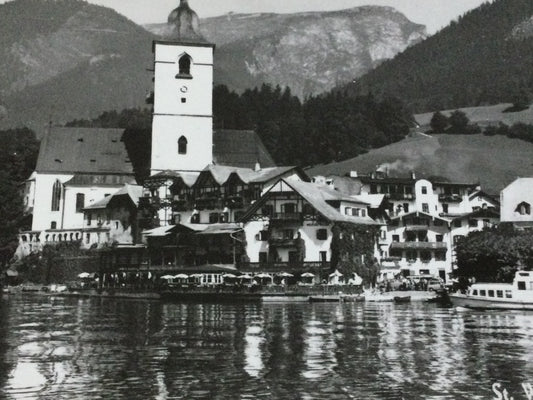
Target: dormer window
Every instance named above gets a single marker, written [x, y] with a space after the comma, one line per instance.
[184, 64]
[182, 145]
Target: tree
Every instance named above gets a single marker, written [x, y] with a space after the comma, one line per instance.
[494, 255]
[458, 122]
[439, 122]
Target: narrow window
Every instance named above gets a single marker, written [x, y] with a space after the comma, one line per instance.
[424, 190]
[499, 293]
[474, 292]
[182, 145]
[57, 189]
[445, 208]
[80, 202]
[185, 65]
[425, 207]
[491, 293]
[263, 257]
[521, 285]
[53, 225]
[483, 293]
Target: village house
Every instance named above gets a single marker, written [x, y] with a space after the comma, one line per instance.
[516, 200]
[76, 168]
[425, 219]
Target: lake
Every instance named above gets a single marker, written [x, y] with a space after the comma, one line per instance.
[74, 348]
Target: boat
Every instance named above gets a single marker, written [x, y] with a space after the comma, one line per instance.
[402, 299]
[498, 296]
[324, 298]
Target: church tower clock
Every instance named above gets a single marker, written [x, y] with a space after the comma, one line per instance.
[182, 125]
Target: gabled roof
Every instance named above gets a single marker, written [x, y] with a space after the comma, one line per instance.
[222, 173]
[83, 150]
[133, 192]
[240, 148]
[418, 214]
[318, 197]
[189, 178]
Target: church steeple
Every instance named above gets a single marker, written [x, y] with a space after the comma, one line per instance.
[185, 24]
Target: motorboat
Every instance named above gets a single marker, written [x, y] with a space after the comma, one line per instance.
[506, 296]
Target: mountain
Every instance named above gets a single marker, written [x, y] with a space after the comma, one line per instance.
[310, 52]
[483, 58]
[66, 59]
[459, 158]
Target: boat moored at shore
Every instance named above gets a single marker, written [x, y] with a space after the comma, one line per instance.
[507, 296]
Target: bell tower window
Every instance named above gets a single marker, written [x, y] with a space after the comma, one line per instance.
[182, 145]
[184, 64]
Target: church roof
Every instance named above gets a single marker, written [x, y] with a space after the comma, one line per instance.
[184, 24]
[83, 150]
[240, 148]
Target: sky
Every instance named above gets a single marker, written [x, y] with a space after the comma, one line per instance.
[435, 14]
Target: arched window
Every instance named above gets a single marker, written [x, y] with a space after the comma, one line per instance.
[523, 208]
[182, 145]
[57, 190]
[185, 65]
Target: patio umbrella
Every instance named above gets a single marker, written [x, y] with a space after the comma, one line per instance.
[196, 275]
[245, 276]
[84, 275]
[263, 275]
[167, 277]
[308, 275]
[286, 275]
[228, 276]
[336, 273]
[181, 276]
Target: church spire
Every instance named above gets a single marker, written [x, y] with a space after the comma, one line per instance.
[185, 24]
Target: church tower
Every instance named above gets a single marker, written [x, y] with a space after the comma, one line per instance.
[182, 125]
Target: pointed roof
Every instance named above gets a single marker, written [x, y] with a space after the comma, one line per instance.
[319, 197]
[185, 26]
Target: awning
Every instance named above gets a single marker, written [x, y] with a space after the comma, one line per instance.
[220, 229]
[158, 232]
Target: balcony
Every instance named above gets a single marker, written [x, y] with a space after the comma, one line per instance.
[208, 203]
[282, 242]
[418, 246]
[180, 205]
[278, 219]
[450, 198]
[400, 196]
[234, 202]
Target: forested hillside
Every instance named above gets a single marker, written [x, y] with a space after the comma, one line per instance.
[483, 58]
[319, 130]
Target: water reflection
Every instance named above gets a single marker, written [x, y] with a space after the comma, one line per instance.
[79, 348]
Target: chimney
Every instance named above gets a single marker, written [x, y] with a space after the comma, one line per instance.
[413, 175]
[257, 167]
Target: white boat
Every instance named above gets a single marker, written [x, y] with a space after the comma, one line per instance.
[494, 296]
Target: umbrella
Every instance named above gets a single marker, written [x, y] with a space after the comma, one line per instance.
[263, 276]
[286, 275]
[181, 276]
[308, 275]
[336, 273]
[84, 275]
[245, 276]
[228, 276]
[196, 275]
[167, 277]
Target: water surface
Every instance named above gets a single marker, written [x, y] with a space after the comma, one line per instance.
[69, 348]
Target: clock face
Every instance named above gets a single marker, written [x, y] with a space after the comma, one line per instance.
[183, 89]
